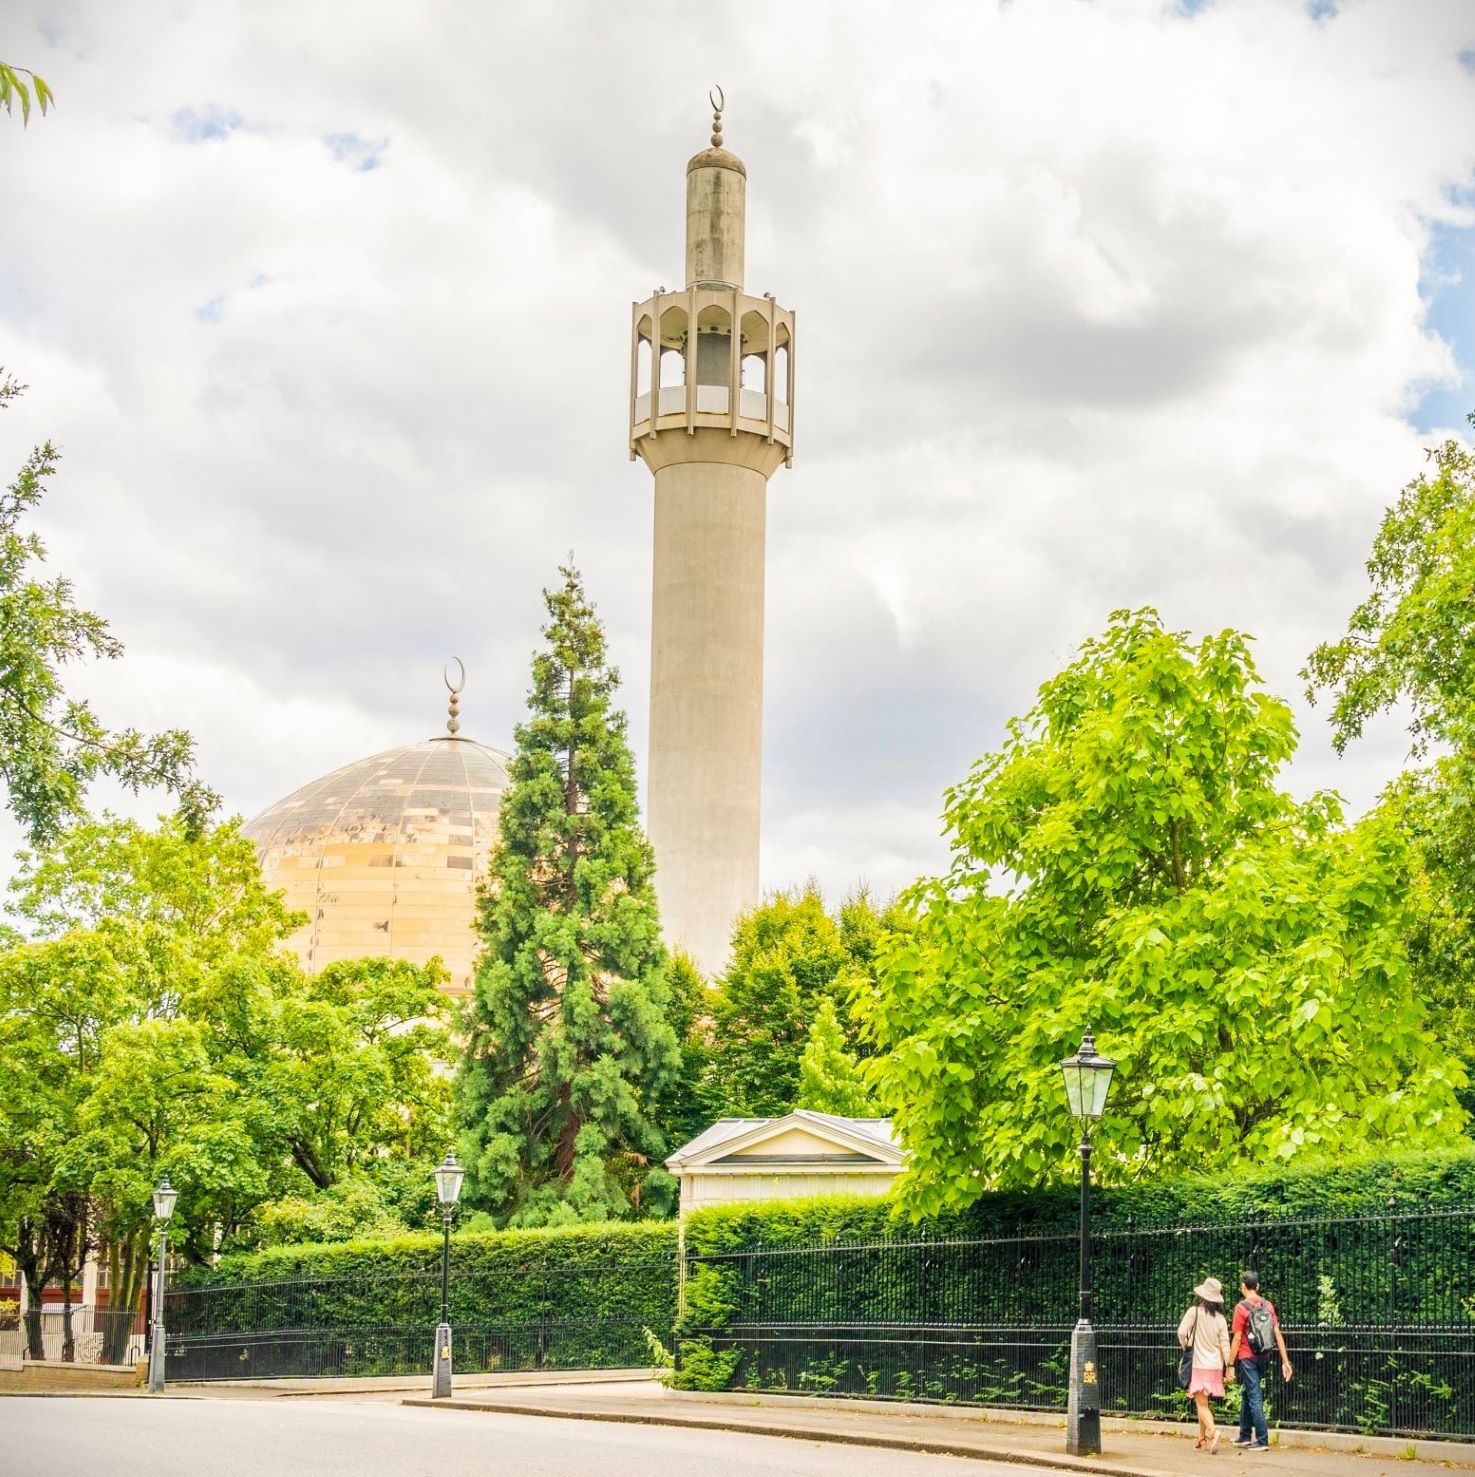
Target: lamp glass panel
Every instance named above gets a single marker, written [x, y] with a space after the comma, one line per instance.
[448, 1179]
[164, 1198]
[1098, 1086]
[1075, 1086]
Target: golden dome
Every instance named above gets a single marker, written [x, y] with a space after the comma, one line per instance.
[384, 855]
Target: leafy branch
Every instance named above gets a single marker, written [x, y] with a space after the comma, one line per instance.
[13, 90]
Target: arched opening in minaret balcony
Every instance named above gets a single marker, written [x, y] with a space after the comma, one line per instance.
[753, 405]
[671, 376]
[713, 359]
[781, 377]
[644, 370]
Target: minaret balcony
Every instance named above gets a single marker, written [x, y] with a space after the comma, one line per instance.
[685, 360]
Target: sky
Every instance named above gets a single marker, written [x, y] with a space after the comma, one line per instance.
[1100, 303]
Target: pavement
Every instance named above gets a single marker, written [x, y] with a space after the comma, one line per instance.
[1131, 1448]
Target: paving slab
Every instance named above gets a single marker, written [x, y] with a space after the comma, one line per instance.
[1132, 1448]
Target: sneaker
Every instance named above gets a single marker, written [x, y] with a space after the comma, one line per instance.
[1244, 1441]
[1258, 1446]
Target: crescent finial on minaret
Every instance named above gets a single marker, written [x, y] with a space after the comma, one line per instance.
[453, 721]
[718, 104]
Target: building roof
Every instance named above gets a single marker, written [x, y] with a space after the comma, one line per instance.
[870, 1138]
[384, 854]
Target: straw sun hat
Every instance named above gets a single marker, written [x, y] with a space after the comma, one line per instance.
[1211, 1290]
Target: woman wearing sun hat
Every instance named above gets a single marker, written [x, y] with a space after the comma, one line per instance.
[1203, 1335]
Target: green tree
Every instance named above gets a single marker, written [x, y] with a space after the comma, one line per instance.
[51, 746]
[1413, 639]
[830, 1079]
[355, 1070]
[570, 1053]
[56, 1000]
[1412, 642]
[789, 956]
[690, 1014]
[1125, 861]
[153, 1024]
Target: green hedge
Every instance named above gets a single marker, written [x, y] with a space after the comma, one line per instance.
[570, 1296]
[1010, 1260]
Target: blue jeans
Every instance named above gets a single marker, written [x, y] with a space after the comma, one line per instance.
[1251, 1376]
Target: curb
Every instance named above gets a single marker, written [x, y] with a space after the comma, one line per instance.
[930, 1445]
[1283, 1438]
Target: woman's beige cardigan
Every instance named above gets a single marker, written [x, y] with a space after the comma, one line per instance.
[1209, 1337]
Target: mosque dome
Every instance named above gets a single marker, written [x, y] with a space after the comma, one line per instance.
[384, 855]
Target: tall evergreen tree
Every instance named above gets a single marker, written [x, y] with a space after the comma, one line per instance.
[570, 1051]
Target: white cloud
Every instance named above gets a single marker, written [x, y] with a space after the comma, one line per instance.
[1099, 305]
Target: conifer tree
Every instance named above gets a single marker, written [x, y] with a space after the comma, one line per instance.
[570, 1051]
[830, 1079]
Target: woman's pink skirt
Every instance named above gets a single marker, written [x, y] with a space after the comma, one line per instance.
[1209, 1381]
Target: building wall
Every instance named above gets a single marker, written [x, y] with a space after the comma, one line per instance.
[799, 1182]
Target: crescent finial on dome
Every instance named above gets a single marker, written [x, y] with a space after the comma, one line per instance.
[453, 721]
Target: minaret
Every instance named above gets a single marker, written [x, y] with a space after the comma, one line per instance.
[712, 414]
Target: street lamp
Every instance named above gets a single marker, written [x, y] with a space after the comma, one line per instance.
[164, 1198]
[448, 1179]
[1087, 1081]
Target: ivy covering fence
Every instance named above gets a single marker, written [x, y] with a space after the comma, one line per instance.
[1369, 1265]
[575, 1297]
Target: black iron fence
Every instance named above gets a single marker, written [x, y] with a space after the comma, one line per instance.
[1378, 1310]
[581, 1317]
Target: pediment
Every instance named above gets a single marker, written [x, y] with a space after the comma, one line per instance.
[801, 1137]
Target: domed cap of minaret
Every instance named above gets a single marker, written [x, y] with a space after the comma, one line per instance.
[717, 157]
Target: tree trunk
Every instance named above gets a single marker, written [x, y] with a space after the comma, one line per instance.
[35, 1348]
[68, 1338]
[28, 1260]
[127, 1267]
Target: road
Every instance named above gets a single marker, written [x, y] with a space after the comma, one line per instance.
[321, 1437]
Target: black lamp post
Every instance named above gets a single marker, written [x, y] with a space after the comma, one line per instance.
[448, 1179]
[1087, 1081]
[164, 1198]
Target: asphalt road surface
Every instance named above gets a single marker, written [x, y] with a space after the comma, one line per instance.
[78, 1437]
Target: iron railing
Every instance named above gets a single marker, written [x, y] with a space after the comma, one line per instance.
[580, 1317]
[1378, 1310]
[98, 1335]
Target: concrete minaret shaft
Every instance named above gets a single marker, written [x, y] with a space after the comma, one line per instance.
[712, 414]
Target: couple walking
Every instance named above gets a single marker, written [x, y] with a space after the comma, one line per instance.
[1211, 1356]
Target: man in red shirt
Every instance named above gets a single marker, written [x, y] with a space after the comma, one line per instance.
[1256, 1330]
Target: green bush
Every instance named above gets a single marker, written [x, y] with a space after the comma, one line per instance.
[577, 1296]
[1009, 1261]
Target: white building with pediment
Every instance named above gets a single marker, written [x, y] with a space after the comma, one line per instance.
[803, 1153]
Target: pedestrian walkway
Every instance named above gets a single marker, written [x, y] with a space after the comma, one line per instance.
[1132, 1448]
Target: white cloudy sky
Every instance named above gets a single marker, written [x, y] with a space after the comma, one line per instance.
[1101, 302]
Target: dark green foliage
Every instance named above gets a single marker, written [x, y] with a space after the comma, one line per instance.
[570, 1055]
[575, 1296]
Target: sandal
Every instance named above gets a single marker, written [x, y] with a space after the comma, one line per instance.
[1199, 1444]
[1214, 1443]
